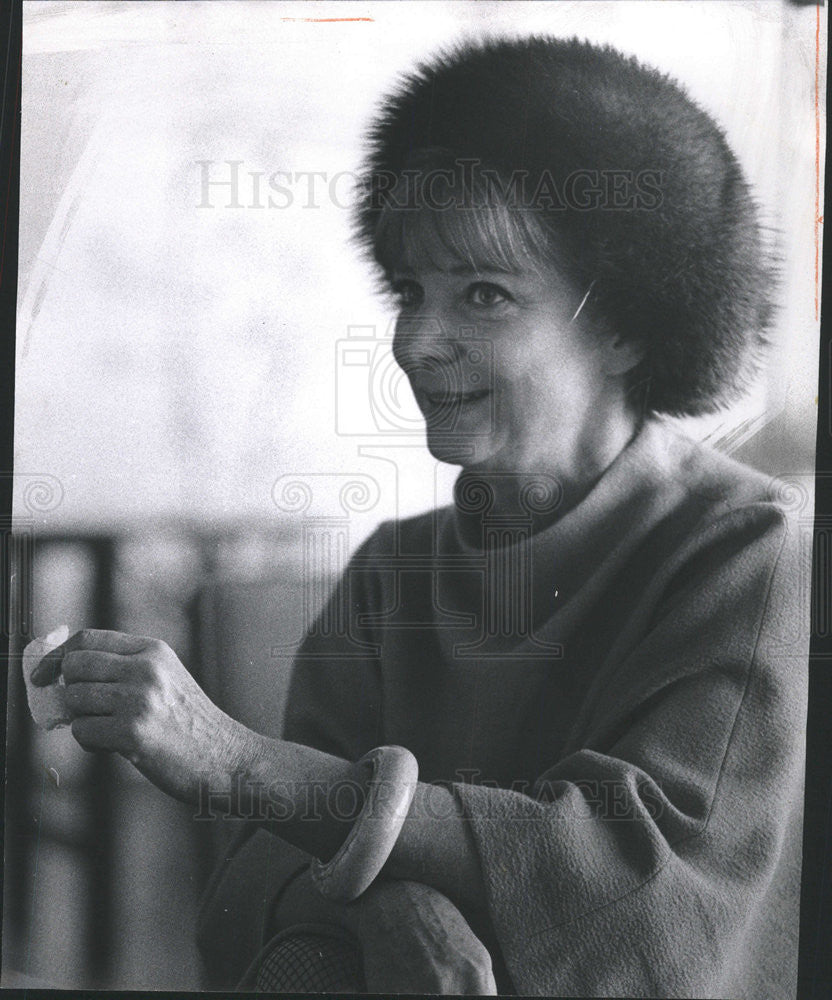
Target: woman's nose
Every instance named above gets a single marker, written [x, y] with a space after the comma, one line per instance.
[425, 341]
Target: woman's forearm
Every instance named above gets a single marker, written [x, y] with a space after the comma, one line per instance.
[311, 799]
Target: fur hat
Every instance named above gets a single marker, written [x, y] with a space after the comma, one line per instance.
[635, 181]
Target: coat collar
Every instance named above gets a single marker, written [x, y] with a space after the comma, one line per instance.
[522, 592]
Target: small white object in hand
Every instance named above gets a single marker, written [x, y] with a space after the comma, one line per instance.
[47, 704]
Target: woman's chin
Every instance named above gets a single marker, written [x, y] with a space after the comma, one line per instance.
[467, 451]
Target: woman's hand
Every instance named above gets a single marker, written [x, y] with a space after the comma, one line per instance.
[132, 695]
[412, 937]
[414, 940]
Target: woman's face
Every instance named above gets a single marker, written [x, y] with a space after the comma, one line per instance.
[505, 375]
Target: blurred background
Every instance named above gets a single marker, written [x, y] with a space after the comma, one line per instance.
[207, 416]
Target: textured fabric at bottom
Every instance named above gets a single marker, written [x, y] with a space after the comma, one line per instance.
[307, 959]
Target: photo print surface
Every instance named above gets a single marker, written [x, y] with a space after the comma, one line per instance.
[415, 417]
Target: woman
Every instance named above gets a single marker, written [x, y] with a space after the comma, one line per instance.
[595, 660]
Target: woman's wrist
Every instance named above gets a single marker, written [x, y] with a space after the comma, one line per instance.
[363, 853]
[307, 797]
[231, 754]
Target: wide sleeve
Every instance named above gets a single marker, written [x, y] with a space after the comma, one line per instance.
[660, 855]
[333, 703]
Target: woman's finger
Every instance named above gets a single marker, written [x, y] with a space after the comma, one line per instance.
[93, 698]
[87, 640]
[94, 665]
[107, 641]
[98, 732]
[47, 671]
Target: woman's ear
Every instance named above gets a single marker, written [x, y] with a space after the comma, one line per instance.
[621, 354]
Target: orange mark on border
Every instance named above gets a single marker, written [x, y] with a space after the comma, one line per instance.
[818, 216]
[327, 20]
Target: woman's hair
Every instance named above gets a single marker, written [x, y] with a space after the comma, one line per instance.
[576, 155]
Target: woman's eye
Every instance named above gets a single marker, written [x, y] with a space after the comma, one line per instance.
[483, 293]
[408, 294]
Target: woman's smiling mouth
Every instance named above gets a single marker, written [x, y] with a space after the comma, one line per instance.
[446, 397]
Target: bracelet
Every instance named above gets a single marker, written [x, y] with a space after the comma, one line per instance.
[357, 862]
